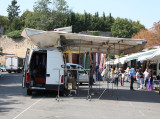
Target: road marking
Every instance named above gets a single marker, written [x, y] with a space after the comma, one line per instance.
[141, 113]
[131, 104]
[27, 109]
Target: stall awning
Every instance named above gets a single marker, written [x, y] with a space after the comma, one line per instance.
[88, 43]
[153, 56]
[141, 54]
[121, 60]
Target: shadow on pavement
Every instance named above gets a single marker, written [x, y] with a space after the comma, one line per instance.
[120, 95]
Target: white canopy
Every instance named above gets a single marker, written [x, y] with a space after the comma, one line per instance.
[147, 55]
[141, 54]
[153, 56]
[87, 43]
[121, 60]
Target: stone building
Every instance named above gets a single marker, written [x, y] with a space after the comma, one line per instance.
[17, 47]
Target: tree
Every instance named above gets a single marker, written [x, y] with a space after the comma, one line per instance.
[50, 14]
[16, 24]
[60, 12]
[4, 21]
[41, 9]
[109, 22]
[156, 28]
[149, 35]
[13, 10]
[32, 20]
[1, 50]
[122, 28]
[110, 56]
[137, 26]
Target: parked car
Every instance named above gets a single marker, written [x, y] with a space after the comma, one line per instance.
[83, 74]
[2, 68]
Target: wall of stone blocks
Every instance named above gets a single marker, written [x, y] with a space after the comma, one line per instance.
[17, 47]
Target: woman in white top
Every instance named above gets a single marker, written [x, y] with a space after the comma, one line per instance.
[146, 76]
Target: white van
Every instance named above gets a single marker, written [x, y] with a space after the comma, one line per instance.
[43, 70]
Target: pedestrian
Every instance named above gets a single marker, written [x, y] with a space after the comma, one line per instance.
[138, 78]
[146, 76]
[91, 76]
[132, 75]
[127, 71]
[141, 79]
[116, 76]
[112, 73]
[104, 74]
[122, 76]
[150, 80]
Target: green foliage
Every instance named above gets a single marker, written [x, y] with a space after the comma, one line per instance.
[122, 28]
[137, 26]
[111, 56]
[15, 34]
[43, 13]
[13, 10]
[121, 54]
[15, 25]
[95, 33]
[51, 14]
[31, 19]
[125, 28]
[4, 21]
[1, 50]
[86, 21]
[109, 22]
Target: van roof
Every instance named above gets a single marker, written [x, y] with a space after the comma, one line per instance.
[49, 49]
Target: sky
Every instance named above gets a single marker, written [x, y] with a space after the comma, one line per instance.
[145, 11]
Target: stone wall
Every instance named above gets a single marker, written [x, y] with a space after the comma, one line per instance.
[17, 47]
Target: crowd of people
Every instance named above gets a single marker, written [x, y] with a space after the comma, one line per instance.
[143, 79]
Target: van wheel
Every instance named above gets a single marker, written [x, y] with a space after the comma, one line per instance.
[29, 92]
[61, 93]
[9, 71]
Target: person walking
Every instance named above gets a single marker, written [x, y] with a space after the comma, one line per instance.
[91, 76]
[121, 74]
[138, 78]
[146, 76]
[132, 74]
[127, 71]
[150, 80]
[141, 79]
[116, 76]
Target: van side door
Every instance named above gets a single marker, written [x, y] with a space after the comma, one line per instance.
[54, 69]
[25, 65]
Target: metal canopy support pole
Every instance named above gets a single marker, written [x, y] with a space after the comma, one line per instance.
[89, 96]
[108, 73]
[100, 74]
[116, 82]
[57, 98]
[118, 67]
[78, 69]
